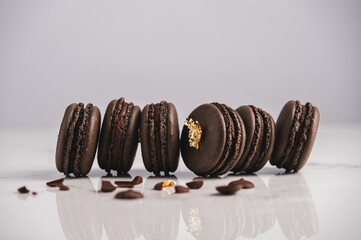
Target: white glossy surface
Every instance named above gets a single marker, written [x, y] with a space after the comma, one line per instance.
[322, 201]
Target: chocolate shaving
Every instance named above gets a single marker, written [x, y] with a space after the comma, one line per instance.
[23, 190]
[137, 180]
[197, 184]
[181, 189]
[107, 186]
[227, 190]
[56, 183]
[158, 186]
[124, 184]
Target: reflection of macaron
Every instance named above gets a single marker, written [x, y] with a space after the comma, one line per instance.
[78, 210]
[261, 132]
[77, 139]
[296, 130]
[159, 137]
[222, 138]
[119, 136]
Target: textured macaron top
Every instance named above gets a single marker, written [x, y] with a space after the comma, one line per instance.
[260, 130]
[296, 127]
[222, 140]
[118, 138]
[77, 139]
[159, 136]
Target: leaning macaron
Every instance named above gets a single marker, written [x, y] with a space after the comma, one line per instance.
[212, 139]
[296, 131]
[159, 137]
[119, 136]
[77, 139]
[260, 140]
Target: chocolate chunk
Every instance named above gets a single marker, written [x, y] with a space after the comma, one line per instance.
[137, 180]
[158, 186]
[242, 184]
[56, 183]
[34, 193]
[227, 190]
[23, 190]
[236, 183]
[246, 184]
[129, 194]
[124, 184]
[197, 184]
[107, 186]
[181, 189]
[64, 188]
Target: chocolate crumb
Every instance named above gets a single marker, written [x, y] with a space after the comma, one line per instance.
[227, 190]
[196, 184]
[129, 194]
[137, 180]
[34, 193]
[23, 190]
[158, 186]
[107, 186]
[56, 183]
[63, 188]
[181, 189]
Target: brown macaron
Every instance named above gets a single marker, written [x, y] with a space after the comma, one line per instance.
[77, 139]
[159, 137]
[296, 131]
[119, 136]
[260, 140]
[221, 143]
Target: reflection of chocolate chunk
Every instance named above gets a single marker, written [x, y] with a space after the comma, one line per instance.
[130, 194]
[107, 186]
[63, 188]
[158, 186]
[124, 184]
[181, 189]
[56, 183]
[227, 190]
[197, 184]
[137, 180]
[23, 190]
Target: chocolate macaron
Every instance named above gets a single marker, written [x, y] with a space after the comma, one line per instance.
[296, 131]
[119, 136]
[159, 137]
[260, 139]
[212, 139]
[77, 139]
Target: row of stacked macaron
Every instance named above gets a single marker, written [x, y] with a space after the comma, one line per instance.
[215, 138]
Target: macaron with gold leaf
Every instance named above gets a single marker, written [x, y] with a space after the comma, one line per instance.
[212, 139]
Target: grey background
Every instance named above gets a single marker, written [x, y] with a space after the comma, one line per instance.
[186, 52]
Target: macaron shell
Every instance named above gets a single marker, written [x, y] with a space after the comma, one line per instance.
[311, 139]
[131, 139]
[91, 141]
[144, 139]
[260, 165]
[212, 142]
[103, 153]
[247, 115]
[173, 138]
[62, 137]
[283, 128]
